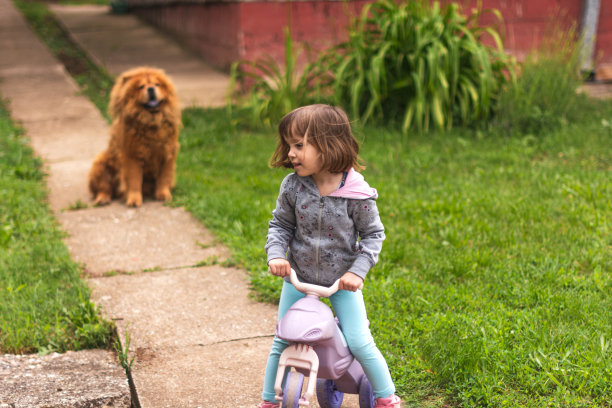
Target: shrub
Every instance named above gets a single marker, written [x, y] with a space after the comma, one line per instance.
[271, 89]
[545, 92]
[425, 65]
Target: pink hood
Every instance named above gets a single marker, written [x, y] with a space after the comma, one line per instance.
[355, 187]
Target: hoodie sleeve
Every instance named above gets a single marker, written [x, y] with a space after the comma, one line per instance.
[282, 226]
[371, 233]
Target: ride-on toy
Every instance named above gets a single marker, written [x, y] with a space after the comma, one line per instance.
[317, 350]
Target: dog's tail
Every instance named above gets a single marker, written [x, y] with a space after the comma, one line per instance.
[103, 179]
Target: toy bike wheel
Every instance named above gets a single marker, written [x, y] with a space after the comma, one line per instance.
[366, 395]
[327, 394]
[293, 390]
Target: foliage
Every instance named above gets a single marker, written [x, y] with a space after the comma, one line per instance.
[544, 95]
[422, 64]
[265, 90]
[494, 285]
[44, 305]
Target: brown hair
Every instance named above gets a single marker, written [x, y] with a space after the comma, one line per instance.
[324, 126]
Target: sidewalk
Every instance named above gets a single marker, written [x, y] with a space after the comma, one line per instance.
[196, 337]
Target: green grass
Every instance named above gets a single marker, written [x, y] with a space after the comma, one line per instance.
[44, 305]
[494, 285]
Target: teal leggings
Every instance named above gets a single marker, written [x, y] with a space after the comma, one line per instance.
[350, 310]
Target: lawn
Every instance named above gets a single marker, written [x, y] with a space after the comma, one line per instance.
[44, 304]
[494, 286]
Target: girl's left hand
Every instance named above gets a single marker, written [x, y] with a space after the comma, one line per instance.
[350, 281]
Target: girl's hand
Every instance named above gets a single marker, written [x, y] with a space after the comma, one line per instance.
[279, 267]
[350, 281]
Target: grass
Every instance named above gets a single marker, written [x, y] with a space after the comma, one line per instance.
[494, 285]
[44, 305]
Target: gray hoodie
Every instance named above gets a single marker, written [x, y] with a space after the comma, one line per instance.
[323, 237]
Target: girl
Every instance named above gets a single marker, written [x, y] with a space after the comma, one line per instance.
[326, 227]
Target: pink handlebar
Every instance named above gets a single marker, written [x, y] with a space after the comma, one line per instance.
[311, 289]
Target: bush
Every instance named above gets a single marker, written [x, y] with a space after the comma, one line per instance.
[425, 65]
[545, 92]
[271, 89]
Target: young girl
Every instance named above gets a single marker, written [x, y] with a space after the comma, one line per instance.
[326, 227]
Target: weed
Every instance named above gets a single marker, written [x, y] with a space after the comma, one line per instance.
[123, 351]
[544, 96]
[78, 205]
[273, 90]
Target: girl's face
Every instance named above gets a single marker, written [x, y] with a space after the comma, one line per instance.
[305, 158]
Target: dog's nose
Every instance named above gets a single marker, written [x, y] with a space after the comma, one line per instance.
[151, 92]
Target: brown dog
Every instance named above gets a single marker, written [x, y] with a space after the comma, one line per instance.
[141, 154]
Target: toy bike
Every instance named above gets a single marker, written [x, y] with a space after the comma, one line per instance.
[317, 350]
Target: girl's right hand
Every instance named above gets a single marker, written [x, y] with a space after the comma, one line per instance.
[279, 267]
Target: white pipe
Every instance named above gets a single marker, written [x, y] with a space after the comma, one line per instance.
[588, 32]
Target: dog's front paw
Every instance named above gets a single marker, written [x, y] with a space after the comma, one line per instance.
[134, 200]
[102, 199]
[163, 194]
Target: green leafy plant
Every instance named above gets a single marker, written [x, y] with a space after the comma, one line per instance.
[426, 66]
[544, 96]
[123, 351]
[265, 90]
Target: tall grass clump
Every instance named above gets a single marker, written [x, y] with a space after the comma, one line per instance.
[263, 91]
[424, 65]
[544, 96]
[44, 304]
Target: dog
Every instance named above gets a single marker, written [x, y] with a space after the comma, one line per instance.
[143, 146]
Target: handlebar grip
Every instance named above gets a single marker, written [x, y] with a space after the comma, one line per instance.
[317, 290]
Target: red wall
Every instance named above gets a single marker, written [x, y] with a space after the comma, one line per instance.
[527, 22]
[603, 41]
[318, 23]
[223, 32]
[210, 29]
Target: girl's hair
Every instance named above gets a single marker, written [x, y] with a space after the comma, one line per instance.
[324, 126]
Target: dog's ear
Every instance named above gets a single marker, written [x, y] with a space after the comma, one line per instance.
[117, 92]
[125, 77]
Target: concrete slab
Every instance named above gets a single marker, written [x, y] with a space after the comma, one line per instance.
[75, 379]
[72, 138]
[195, 306]
[45, 97]
[67, 183]
[24, 49]
[218, 375]
[117, 238]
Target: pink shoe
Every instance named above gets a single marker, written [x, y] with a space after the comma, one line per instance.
[389, 402]
[267, 404]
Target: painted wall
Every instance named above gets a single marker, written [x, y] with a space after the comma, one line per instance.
[224, 31]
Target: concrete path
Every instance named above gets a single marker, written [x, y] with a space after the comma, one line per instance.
[196, 337]
[121, 41]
